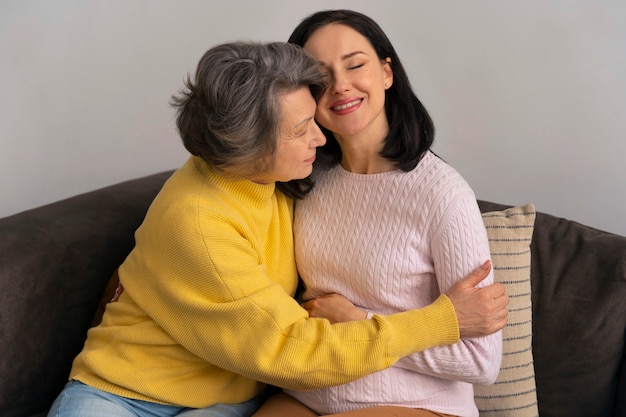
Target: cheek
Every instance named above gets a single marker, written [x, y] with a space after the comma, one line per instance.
[321, 113]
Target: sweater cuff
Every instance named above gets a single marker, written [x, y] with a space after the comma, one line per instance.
[421, 329]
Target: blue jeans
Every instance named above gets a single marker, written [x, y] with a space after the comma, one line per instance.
[80, 400]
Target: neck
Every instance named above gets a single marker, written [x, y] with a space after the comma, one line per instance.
[367, 166]
[361, 155]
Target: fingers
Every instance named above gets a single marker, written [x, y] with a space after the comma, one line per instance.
[118, 292]
[500, 317]
[315, 302]
[481, 272]
[480, 311]
[316, 307]
[482, 324]
[502, 302]
[334, 307]
[498, 312]
[493, 291]
[477, 275]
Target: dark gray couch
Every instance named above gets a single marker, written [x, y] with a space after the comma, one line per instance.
[56, 260]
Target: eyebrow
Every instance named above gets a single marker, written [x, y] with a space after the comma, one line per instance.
[347, 56]
[351, 54]
[302, 122]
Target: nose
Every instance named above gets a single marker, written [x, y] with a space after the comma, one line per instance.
[339, 83]
[318, 138]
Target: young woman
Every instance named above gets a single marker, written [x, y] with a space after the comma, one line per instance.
[389, 226]
[207, 314]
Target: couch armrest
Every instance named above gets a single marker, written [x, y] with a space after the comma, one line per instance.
[54, 263]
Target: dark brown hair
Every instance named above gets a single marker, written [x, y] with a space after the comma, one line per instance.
[411, 129]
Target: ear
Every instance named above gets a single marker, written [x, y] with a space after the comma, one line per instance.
[387, 73]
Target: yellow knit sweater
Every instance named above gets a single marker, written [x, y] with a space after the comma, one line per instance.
[207, 309]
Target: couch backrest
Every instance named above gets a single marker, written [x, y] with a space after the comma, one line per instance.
[53, 274]
[54, 263]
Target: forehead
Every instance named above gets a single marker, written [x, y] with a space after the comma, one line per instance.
[337, 38]
[297, 107]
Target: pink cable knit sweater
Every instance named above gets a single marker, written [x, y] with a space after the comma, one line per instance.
[391, 242]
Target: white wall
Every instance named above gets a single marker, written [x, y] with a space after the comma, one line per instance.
[529, 97]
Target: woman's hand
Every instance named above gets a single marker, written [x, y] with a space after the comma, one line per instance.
[479, 311]
[334, 307]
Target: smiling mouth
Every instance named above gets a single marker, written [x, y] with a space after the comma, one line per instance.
[347, 105]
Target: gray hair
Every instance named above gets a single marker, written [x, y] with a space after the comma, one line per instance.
[230, 113]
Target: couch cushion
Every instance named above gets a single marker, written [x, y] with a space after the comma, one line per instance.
[514, 393]
[55, 261]
[579, 317]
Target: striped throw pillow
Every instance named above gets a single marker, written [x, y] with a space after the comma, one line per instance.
[514, 392]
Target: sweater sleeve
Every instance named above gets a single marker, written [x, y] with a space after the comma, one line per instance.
[211, 293]
[459, 245]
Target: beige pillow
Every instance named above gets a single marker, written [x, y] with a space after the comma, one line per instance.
[514, 393]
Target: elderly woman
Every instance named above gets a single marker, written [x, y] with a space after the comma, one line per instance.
[207, 315]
